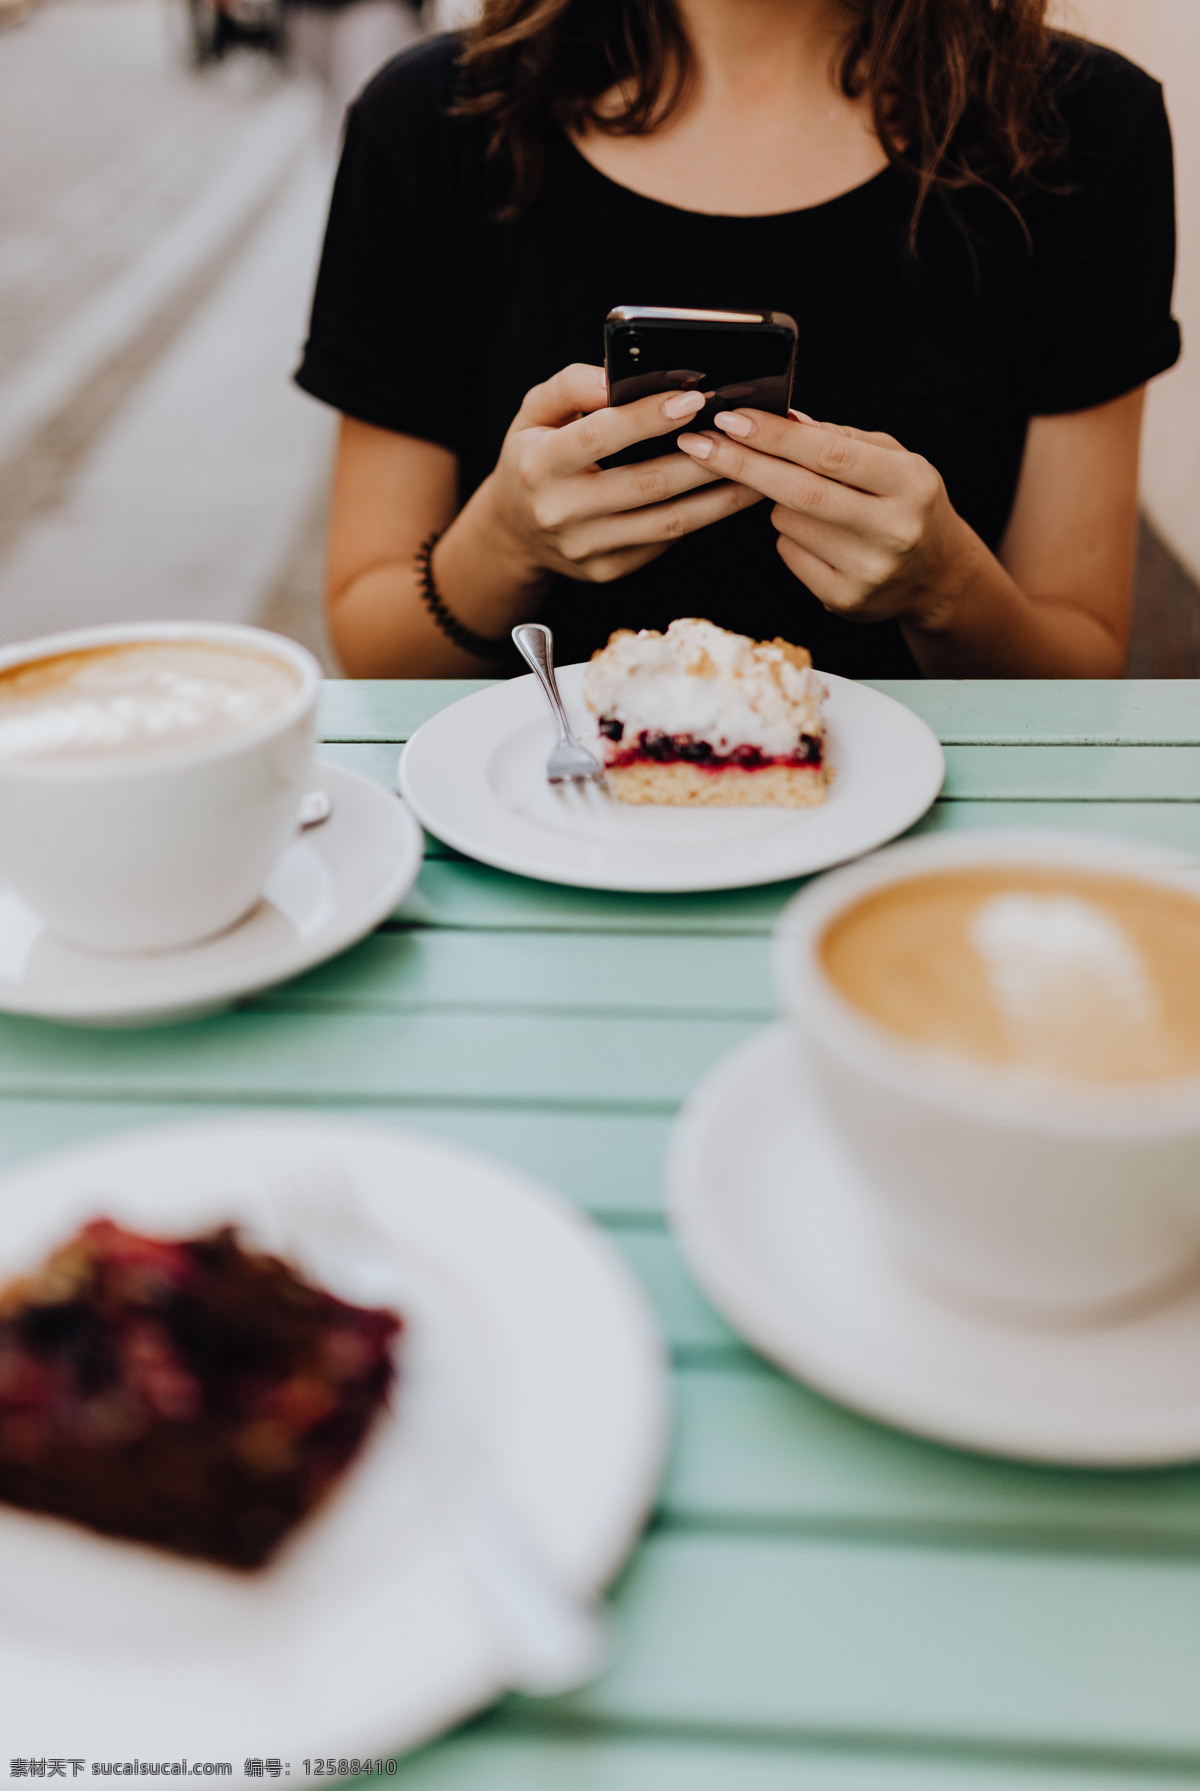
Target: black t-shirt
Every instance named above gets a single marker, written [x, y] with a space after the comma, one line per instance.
[433, 318]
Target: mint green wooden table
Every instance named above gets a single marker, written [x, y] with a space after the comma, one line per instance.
[819, 1602]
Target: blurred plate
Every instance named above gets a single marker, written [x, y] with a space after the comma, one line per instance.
[475, 775]
[330, 886]
[782, 1235]
[367, 1635]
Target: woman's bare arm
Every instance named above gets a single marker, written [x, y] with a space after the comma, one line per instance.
[547, 508]
[1071, 541]
[390, 492]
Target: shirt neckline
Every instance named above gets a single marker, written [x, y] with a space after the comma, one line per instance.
[618, 192]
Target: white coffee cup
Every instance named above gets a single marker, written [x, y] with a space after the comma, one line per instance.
[148, 852]
[1042, 1199]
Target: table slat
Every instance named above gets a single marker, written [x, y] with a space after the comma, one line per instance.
[525, 972]
[387, 708]
[1083, 711]
[753, 1447]
[1172, 824]
[608, 1163]
[994, 1648]
[376, 759]
[1106, 774]
[463, 894]
[492, 1756]
[293, 1057]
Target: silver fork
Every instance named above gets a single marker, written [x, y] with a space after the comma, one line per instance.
[569, 763]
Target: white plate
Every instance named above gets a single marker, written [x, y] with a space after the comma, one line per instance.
[782, 1236]
[331, 885]
[475, 775]
[367, 1635]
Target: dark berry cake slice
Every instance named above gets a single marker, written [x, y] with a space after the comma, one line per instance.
[700, 715]
[192, 1394]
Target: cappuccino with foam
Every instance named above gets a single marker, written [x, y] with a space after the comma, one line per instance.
[1003, 1032]
[150, 776]
[138, 697]
[1071, 972]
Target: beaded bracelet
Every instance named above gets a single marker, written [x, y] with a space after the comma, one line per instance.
[476, 644]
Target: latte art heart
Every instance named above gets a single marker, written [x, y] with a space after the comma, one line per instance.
[1049, 970]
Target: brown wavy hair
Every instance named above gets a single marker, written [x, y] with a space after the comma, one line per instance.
[958, 89]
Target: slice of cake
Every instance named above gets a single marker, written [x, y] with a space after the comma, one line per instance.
[191, 1394]
[700, 715]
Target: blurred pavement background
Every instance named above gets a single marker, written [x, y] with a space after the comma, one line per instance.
[159, 233]
[159, 228]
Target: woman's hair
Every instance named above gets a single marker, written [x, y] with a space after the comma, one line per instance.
[957, 88]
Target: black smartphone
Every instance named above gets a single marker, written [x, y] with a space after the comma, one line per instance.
[733, 357]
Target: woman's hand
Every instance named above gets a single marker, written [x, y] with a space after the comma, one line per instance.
[546, 508]
[871, 531]
[866, 525]
[551, 509]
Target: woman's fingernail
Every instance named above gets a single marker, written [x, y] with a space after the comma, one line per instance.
[699, 445]
[799, 416]
[683, 404]
[732, 424]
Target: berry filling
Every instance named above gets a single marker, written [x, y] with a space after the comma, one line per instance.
[669, 749]
[190, 1393]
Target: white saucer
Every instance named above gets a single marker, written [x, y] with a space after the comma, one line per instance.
[332, 884]
[475, 775]
[784, 1240]
[368, 1635]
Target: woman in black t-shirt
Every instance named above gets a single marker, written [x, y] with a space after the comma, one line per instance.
[971, 220]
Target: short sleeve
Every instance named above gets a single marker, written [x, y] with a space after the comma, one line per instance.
[379, 341]
[1108, 326]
